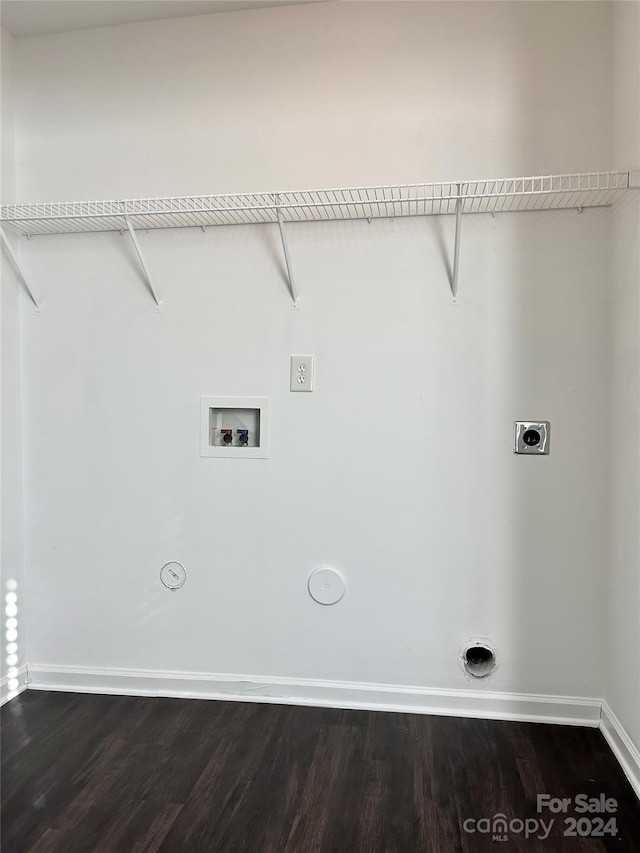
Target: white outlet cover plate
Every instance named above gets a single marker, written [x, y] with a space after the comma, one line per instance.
[302, 373]
[326, 585]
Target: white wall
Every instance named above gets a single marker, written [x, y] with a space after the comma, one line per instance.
[398, 469]
[337, 94]
[11, 497]
[623, 687]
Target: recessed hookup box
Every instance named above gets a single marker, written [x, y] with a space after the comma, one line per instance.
[234, 427]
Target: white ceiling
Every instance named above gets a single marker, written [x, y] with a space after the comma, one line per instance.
[34, 17]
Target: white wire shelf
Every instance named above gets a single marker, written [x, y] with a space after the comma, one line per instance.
[499, 195]
[546, 192]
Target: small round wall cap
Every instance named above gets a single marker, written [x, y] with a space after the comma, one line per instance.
[326, 585]
[173, 575]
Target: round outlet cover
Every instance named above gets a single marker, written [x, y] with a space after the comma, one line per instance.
[326, 585]
[173, 575]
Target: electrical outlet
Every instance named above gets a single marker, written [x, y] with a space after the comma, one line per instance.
[531, 437]
[301, 373]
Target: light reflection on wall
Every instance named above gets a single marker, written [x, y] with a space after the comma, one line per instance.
[11, 635]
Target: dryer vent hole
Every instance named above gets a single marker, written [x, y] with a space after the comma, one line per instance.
[479, 661]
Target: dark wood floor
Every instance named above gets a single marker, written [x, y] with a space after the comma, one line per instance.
[111, 773]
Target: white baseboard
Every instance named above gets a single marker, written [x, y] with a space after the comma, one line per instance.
[622, 746]
[332, 694]
[4, 684]
[566, 710]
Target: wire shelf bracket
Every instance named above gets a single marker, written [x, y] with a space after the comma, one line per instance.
[287, 258]
[136, 245]
[456, 248]
[18, 269]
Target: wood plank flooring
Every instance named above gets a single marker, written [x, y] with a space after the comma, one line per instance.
[116, 773]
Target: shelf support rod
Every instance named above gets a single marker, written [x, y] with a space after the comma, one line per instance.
[136, 244]
[456, 246]
[14, 261]
[287, 259]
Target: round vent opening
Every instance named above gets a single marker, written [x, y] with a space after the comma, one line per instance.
[479, 659]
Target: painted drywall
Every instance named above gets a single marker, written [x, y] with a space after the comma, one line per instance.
[11, 496]
[336, 94]
[398, 469]
[623, 687]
